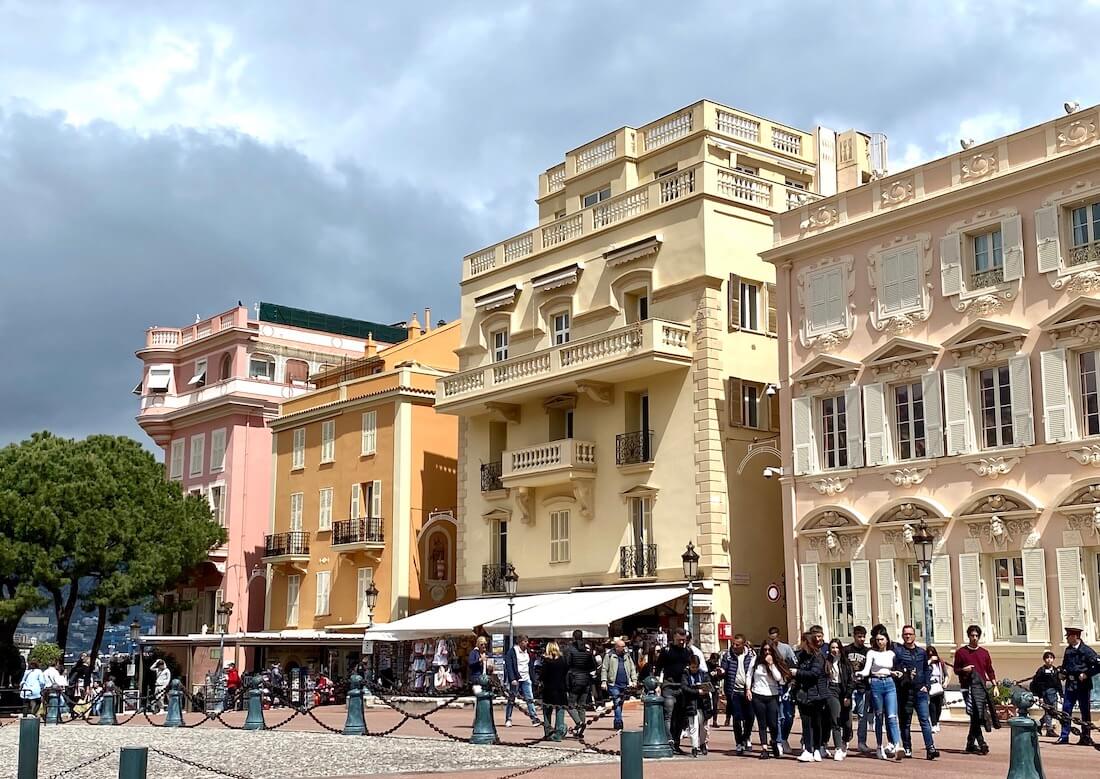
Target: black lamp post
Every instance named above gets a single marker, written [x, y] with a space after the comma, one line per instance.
[923, 541]
[370, 598]
[135, 653]
[221, 624]
[511, 584]
[690, 559]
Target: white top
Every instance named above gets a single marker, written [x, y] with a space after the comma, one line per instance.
[878, 663]
[765, 683]
[54, 678]
[523, 663]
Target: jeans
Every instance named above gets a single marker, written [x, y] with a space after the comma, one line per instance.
[935, 708]
[557, 733]
[674, 704]
[884, 694]
[786, 712]
[766, 708]
[1079, 694]
[1050, 698]
[577, 696]
[741, 710]
[815, 724]
[864, 709]
[915, 700]
[524, 689]
[616, 694]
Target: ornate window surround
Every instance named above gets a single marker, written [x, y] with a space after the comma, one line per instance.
[1081, 278]
[985, 342]
[999, 520]
[825, 376]
[827, 340]
[902, 320]
[832, 534]
[986, 300]
[898, 520]
[901, 358]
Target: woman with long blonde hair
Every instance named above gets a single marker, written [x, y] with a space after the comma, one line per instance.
[555, 671]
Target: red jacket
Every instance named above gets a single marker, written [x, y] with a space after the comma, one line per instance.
[232, 679]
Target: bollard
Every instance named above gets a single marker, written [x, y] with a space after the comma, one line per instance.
[485, 729]
[175, 706]
[53, 707]
[133, 763]
[28, 748]
[355, 725]
[630, 760]
[107, 706]
[255, 718]
[655, 738]
[1024, 761]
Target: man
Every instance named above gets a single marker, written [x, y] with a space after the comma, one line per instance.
[1079, 663]
[232, 687]
[856, 655]
[671, 665]
[974, 667]
[517, 677]
[278, 686]
[736, 665]
[786, 703]
[580, 664]
[619, 674]
[913, 692]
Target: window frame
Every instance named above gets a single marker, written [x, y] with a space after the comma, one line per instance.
[1092, 230]
[751, 295]
[323, 599]
[197, 446]
[298, 449]
[361, 611]
[297, 512]
[267, 359]
[324, 512]
[597, 196]
[1080, 396]
[836, 604]
[561, 325]
[841, 449]
[1018, 597]
[975, 278]
[159, 387]
[218, 441]
[751, 407]
[559, 536]
[911, 423]
[368, 440]
[499, 344]
[822, 275]
[328, 441]
[198, 374]
[219, 509]
[176, 456]
[293, 605]
[1004, 393]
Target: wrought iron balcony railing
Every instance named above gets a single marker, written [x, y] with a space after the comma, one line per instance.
[634, 448]
[296, 542]
[490, 476]
[492, 577]
[638, 561]
[366, 530]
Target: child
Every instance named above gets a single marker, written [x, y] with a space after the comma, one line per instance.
[696, 686]
[1047, 687]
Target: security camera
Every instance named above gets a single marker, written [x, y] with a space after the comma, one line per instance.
[771, 389]
[966, 143]
[769, 472]
[1071, 106]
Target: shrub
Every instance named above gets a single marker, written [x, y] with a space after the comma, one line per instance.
[45, 653]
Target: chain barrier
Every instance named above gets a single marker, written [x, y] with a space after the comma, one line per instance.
[81, 766]
[408, 715]
[568, 755]
[1077, 726]
[195, 764]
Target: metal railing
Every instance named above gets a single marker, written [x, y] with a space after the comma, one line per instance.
[638, 561]
[366, 530]
[634, 448]
[492, 577]
[295, 542]
[490, 476]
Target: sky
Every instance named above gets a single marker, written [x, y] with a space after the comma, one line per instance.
[161, 160]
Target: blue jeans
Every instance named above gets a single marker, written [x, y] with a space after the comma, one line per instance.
[521, 689]
[786, 713]
[1076, 693]
[917, 701]
[1050, 698]
[616, 694]
[884, 693]
[863, 708]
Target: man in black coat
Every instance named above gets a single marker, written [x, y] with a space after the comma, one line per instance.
[1078, 664]
[671, 665]
[581, 664]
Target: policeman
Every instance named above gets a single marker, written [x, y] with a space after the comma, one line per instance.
[1078, 664]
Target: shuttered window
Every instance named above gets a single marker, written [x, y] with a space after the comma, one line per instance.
[802, 429]
[1084, 234]
[834, 432]
[1009, 603]
[375, 498]
[1035, 595]
[328, 440]
[841, 602]
[886, 589]
[1089, 369]
[293, 590]
[987, 262]
[914, 599]
[296, 503]
[750, 306]
[861, 592]
[559, 536]
[362, 582]
[1057, 417]
[1071, 589]
[811, 595]
[1048, 249]
[943, 626]
[324, 514]
[956, 411]
[899, 282]
[909, 421]
[355, 509]
[298, 450]
[324, 582]
[369, 442]
[217, 450]
[995, 407]
[175, 460]
[198, 447]
[825, 300]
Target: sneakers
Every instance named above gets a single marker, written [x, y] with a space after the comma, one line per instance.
[817, 756]
[932, 754]
[936, 728]
[890, 750]
[882, 753]
[840, 754]
[739, 749]
[1062, 741]
[765, 754]
[507, 723]
[748, 747]
[618, 726]
[908, 752]
[806, 757]
[783, 747]
[983, 748]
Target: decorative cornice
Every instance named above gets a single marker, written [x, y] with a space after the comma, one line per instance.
[1076, 133]
[834, 543]
[993, 467]
[820, 217]
[907, 477]
[980, 165]
[831, 485]
[1086, 455]
[897, 192]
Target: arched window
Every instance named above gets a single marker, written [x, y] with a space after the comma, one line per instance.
[261, 366]
[297, 371]
[226, 370]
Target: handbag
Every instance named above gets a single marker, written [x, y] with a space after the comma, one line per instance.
[935, 689]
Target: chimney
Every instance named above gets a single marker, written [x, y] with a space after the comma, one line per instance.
[427, 320]
[371, 347]
[413, 327]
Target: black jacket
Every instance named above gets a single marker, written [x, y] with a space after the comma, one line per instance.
[811, 677]
[847, 679]
[554, 680]
[694, 700]
[581, 664]
[673, 663]
[1078, 660]
[1043, 680]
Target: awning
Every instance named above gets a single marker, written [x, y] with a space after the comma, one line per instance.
[458, 618]
[562, 277]
[621, 255]
[256, 638]
[590, 611]
[498, 299]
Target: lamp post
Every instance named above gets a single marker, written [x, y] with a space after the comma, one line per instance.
[690, 559]
[135, 655]
[511, 583]
[221, 621]
[922, 547]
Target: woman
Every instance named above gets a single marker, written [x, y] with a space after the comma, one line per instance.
[160, 690]
[714, 670]
[477, 663]
[769, 674]
[554, 674]
[839, 701]
[30, 689]
[938, 676]
[811, 693]
[880, 669]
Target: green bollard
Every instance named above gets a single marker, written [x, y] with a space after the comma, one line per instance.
[175, 706]
[630, 760]
[133, 763]
[485, 729]
[53, 707]
[655, 738]
[255, 718]
[28, 748]
[355, 725]
[107, 706]
[1024, 761]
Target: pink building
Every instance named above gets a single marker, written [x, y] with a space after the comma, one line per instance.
[207, 393]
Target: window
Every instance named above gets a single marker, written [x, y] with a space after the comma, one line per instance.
[825, 303]
[750, 405]
[362, 581]
[641, 521]
[356, 502]
[374, 499]
[324, 580]
[298, 451]
[561, 423]
[216, 496]
[559, 214]
[559, 536]
[297, 372]
[227, 367]
[1090, 391]
[198, 450]
[749, 169]
[499, 341]
[834, 433]
[261, 366]
[296, 503]
[560, 323]
[995, 407]
[988, 267]
[217, 450]
[665, 172]
[1085, 234]
[369, 437]
[293, 589]
[909, 420]
[324, 515]
[840, 602]
[592, 198]
[899, 281]
[916, 602]
[175, 460]
[637, 305]
[1010, 604]
[750, 306]
[328, 441]
[794, 184]
[498, 542]
[160, 376]
[198, 377]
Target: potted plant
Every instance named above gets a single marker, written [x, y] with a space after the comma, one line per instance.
[1001, 697]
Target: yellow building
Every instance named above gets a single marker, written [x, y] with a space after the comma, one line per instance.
[616, 361]
[364, 490]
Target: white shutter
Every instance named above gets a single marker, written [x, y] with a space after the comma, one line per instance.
[861, 592]
[874, 409]
[217, 450]
[943, 627]
[970, 589]
[175, 460]
[1023, 425]
[1047, 247]
[198, 450]
[811, 595]
[298, 449]
[834, 296]
[909, 278]
[321, 601]
[1057, 417]
[293, 590]
[951, 264]
[296, 511]
[365, 577]
[890, 295]
[324, 519]
[376, 500]
[328, 440]
[853, 416]
[1071, 592]
[933, 416]
[1012, 248]
[1035, 595]
[370, 432]
[355, 513]
[887, 595]
[955, 410]
[802, 430]
[817, 305]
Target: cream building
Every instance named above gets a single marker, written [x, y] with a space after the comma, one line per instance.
[600, 429]
[938, 331]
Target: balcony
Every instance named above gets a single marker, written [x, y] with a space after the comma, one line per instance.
[163, 403]
[490, 477]
[358, 535]
[492, 577]
[550, 463]
[1083, 253]
[174, 337]
[634, 448]
[286, 547]
[635, 351]
[638, 561]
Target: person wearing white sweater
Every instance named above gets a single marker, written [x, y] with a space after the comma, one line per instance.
[880, 669]
[769, 674]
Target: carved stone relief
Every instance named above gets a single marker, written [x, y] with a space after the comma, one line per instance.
[981, 164]
[1076, 133]
[993, 467]
[820, 217]
[897, 192]
[907, 477]
[830, 485]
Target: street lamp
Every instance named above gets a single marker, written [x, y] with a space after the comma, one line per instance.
[221, 622]
[511, 583]
[135, 654]
[371, 596]
[690, 559]
[922, 547]
[370, 599]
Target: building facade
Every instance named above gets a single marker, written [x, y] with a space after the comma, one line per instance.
[207, 394]
[938, 334]
[599, 431]
[364, 491]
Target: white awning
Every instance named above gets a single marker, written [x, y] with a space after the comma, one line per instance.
[159, 377]
[458, 618]
[497, 299]
[562, 277]
[590, 611]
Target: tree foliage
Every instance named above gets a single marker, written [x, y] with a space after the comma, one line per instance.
[45, 653]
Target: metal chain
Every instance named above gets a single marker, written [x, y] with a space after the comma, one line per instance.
[194, 764]
[1058, 714]
[569, 755]
[81, 766]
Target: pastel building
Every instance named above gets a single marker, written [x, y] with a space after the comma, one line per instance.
[938, 331]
